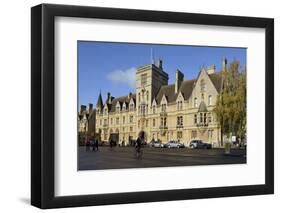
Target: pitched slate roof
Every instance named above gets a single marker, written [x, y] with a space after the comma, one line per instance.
[169, 91]
[185, 88]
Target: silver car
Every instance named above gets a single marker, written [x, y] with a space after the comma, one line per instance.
[158, 144]
[174, 144]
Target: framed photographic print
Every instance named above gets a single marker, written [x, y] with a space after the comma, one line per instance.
[136, 106]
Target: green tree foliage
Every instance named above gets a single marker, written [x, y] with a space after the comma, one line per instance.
[231, 103]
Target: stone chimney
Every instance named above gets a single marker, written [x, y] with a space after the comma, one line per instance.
[160, 63]
[224, 64]
[130, 95]
[108, 98]
[83, 108]
[211, 69]
[90, 107]
[179, 80]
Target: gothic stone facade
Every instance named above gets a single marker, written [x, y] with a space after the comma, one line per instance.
[181, 111]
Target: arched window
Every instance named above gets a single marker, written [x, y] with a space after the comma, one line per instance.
[165, 121]
[205, 118]
[209, 118]
[210, 100]
[195, 119]
[203, 85]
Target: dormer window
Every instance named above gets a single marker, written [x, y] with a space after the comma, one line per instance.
[153, 109]
[179, 105]
[131, 107]
[118, 109]
[163, 107]
[124, 107]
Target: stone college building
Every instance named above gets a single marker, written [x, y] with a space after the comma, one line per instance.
[181, 111]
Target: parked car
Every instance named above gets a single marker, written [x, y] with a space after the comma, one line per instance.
[155, 143]
[158, 144]
[199, 144]
[173, 144]
[243, 145]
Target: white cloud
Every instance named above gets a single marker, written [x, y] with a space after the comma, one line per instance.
[127, 76]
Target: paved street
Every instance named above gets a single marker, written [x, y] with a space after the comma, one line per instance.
[124, 157]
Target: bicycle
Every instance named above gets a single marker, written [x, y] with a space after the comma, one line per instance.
[138, 153]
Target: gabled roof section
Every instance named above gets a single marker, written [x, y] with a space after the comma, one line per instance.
[154, 101]
[168, 91]
[179, 95]
[216, 80]
[133, 100]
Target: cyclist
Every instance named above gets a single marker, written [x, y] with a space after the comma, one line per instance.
[138, 144]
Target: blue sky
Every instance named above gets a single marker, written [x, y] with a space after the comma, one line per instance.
[110, 67]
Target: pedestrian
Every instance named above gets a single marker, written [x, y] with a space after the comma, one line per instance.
[97, 144]
[139, 142]
[111, 143]
[93, 141]
[87, 143]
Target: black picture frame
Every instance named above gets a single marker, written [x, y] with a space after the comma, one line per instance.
[43, 102]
